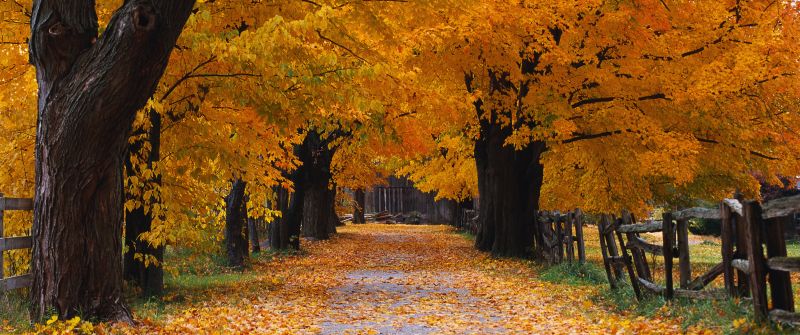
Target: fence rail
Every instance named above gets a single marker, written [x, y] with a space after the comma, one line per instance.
[754, 259]
[13, 243]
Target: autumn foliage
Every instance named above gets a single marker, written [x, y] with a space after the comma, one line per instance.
[524, 105]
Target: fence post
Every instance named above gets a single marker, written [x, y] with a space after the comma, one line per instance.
[684, 264]
[727, 248]
[579, 234]
[559, 234]
[779, 281]
[601, 226]
[668, 235]
[568, 236]
[743, 286]
[751, 211]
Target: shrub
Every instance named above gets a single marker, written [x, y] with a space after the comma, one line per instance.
[705, 226]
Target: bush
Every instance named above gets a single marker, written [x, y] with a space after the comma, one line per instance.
[705, 226]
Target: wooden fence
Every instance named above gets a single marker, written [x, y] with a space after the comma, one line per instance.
[13, 243]
[562, 236]
[747, 267]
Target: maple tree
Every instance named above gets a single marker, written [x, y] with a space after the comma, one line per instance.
[594, 108]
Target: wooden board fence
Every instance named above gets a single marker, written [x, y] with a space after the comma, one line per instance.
[754, 259]
[13, 243]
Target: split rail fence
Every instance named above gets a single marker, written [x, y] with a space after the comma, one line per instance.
[753, 250]
[13, 243]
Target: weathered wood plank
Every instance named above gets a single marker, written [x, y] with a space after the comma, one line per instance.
[696, 213]
[741, 265]
[684, 264]
[579, 236]
[13, 283]
[13, 243]
[788, 264]
[717, 294]
[604, 252]
[727, 248]
[641, 244]
[755, 254]
[668, 234]
[16, 204]
[784, 317]
[734, 205]
[649, 227]
[781, 207]
[780, 283]
[652, 287]
[700, 282]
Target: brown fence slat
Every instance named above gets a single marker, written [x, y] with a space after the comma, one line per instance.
[684, 264]
[13, 283]
[781, 207]
[696, 213]
[727, 248]
[652, 287]
[16, 204]
[700, 282]
[668, 234]
[12, 243]
[704, 294]
[785, 317]
[788, 264]
[755, 254]
[640, 228]
[780, 283]
[741, 265]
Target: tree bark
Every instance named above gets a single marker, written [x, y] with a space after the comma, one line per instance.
[360, 203]
[280, 230]
[236, 250]
[319, 199]
[509, 181]
[252, 229]
[90, 89]
[149, 277]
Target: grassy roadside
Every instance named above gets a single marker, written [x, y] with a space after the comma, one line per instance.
[730, 316]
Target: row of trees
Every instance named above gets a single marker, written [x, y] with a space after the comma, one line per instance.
[176, 121]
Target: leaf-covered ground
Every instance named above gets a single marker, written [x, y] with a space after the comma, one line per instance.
[396, 279]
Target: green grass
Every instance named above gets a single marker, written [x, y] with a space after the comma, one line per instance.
[574, 274]
[14, 309]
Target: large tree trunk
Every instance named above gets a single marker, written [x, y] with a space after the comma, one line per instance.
[148, 275]
[281, 230]
[509, 180]
[319, 200]
[90, 89]
[236, 250]
[358, 210]
[509, 183]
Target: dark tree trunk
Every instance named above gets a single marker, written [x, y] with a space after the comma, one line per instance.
[281, 230]
[509, 180]
[252, 229]
[90, 89]
[235, 225]
[358, 210]
[319, 200]
[509, 183]
[149, 276]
